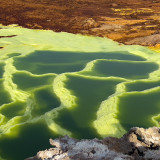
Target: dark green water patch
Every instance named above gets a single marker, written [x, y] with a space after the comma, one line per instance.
[137, 109]
[45, 100]
[4, 95]
[1, 69]
[13, 109]
[26, 81]
[142, 85]
[90, 93]
[124, 69]
[37, 68]
[67, 121]
[30, 139]
[13, 55]
[41, 62]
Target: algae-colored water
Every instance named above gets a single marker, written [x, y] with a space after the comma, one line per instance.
[54, 84]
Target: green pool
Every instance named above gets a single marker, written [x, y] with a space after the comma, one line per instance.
[55, 84]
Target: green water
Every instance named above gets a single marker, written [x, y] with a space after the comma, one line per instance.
[27, 82]
[1, 69]
[45, 100]
[137, 109]
[142, 85]
[29, 140]
[4, 95]
[13, 109]
[124, 69]
[89, 95]
[41, 62]
[55, 84]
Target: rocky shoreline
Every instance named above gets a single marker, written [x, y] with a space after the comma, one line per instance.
[137, 144]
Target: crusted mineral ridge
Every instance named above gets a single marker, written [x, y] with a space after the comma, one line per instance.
[138, 143]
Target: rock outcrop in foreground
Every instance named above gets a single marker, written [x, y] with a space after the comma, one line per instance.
[138, 143]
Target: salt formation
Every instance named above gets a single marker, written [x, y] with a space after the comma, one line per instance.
[68, 148]
[137, 144]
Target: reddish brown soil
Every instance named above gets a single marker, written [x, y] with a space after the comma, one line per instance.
[120, 20]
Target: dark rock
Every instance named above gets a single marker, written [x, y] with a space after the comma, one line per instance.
[151, 40]
[137, 144]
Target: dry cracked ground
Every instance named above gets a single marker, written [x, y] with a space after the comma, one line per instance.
[129, 22]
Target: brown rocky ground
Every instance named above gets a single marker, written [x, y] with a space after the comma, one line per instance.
[119, 20]
[137, 144]
[130, 22]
